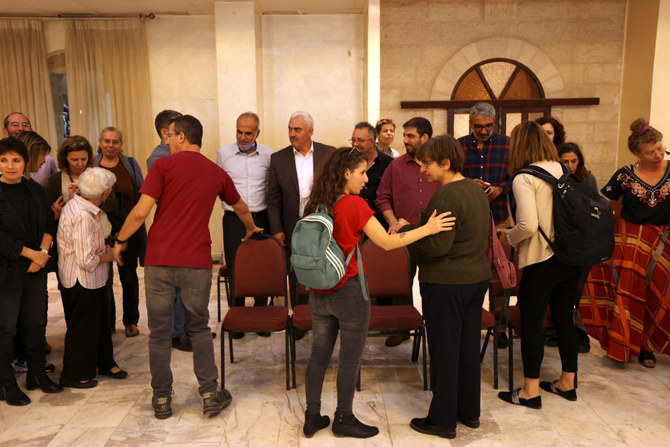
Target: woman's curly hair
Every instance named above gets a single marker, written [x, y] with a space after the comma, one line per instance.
[330, 181]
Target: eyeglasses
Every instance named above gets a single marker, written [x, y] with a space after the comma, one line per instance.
[427, 163]
[661, 149]
[168, 134]
[114, 142]
[17, 124]
[488, 126]
[351, 151]
[359, 140]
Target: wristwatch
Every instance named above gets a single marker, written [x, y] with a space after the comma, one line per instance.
[120, 241]
[44, 250]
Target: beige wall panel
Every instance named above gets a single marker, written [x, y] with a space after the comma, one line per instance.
[314, 63]
[574, 47]
[182, 61]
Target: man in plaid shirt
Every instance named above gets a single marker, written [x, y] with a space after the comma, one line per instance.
[486, 159]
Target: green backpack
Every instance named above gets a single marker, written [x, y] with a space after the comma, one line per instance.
[316, 257]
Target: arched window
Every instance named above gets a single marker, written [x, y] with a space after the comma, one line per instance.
[494, 80]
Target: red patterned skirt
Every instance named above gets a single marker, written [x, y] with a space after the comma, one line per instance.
[625, 303]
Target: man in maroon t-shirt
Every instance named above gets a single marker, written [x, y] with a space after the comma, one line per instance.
[185, 185]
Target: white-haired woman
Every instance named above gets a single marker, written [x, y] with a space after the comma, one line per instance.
[83, 267]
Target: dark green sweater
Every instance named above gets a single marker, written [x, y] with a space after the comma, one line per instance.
[458, 256]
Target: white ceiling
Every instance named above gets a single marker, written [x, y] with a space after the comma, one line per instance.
[172, 7]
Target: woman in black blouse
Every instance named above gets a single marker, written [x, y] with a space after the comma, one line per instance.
[26, 232]
[625, 303]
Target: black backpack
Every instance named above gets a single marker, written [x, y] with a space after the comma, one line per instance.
[583, 219]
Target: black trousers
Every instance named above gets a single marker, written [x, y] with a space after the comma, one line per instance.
[25, 306]
[453, 315]
[233, 232]
[129, 282]
[88, 340]
[548, 283]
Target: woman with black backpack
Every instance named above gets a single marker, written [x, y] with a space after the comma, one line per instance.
[546, 281]
[343, 308]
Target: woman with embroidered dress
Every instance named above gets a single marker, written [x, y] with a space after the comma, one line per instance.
[626, 300]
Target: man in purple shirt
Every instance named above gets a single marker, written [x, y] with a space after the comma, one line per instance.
[404, 191]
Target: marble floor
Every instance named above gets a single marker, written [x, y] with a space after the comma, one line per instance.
[618, 405]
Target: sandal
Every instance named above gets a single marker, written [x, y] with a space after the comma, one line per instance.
[647, 359]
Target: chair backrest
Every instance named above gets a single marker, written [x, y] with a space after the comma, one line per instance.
[387, 271]
[260, 268]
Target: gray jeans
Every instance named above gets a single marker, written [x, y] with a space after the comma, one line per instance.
[345, 311]
[161, 284]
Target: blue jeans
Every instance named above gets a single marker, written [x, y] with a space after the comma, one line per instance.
[161, 284]
[345, 311]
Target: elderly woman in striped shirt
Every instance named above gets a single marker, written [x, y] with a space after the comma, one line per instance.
[83, 268]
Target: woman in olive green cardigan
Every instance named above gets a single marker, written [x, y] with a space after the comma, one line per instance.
[454, 274]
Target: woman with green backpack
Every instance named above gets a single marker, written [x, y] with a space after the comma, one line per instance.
[344, 308]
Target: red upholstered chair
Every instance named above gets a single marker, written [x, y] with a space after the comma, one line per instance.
[222, 278]
[490, 324]
[260, 270]
[301, 320]
[388, 277]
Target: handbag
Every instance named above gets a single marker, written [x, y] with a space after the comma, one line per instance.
[504, 267]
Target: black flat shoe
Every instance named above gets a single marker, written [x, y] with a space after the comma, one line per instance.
[314, 423]
[468, 422]
[120, 374]
[69, 383]
[13, 395]
[423, 425]
[570, 395]
[349, 425]
[512, 397]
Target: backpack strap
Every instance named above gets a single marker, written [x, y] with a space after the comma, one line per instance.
[543, 174]
[361, 272]
[538, 172]
[359, 261]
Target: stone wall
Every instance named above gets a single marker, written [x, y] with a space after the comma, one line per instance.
[574, 47]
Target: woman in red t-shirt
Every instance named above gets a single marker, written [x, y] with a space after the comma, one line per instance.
[343, 308]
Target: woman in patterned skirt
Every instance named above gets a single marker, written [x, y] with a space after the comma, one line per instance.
[626, 300]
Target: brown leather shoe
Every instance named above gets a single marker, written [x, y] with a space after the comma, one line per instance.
[395, 340]
[131, 330]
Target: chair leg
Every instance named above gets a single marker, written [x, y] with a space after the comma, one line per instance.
[415, 346]
[292, 341]
[425, 361]
[223, 359]
[495, 358]
[510, 363]
[230, 344]
[358, 382]
[218, 298]
[287, 350]
[485, 345]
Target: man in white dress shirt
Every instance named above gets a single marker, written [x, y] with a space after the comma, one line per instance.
[247, 162]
